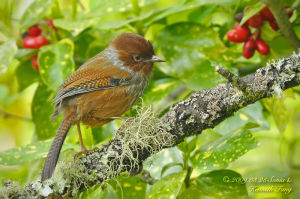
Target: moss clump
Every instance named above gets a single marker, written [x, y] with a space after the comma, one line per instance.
[142, 133]
[12, 190]
[72, 175]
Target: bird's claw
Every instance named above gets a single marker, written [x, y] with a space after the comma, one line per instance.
[85, 151]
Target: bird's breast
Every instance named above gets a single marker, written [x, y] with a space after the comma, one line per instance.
[97, 107]
[137, 85]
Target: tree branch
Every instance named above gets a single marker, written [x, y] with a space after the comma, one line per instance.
[144, 136]
[283, 22]
[232, 78]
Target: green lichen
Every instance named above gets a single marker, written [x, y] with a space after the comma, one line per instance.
[144, 132]
[190, 120]
[13, 190]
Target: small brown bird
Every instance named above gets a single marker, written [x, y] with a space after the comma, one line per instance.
[102, 89]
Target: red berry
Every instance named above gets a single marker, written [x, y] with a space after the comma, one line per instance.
[243, 31]
[35, 64]
[250, 44]
[249, 48]
[50, 21]
[289, 13]
[41, 41]
[262, 47]
[34, 31]
[233, 36]
[246, 23]
[29, 42]
[267, 14]
[248, 53]
[255, 21]
[238, 34]
[244, 27]
[273, 25]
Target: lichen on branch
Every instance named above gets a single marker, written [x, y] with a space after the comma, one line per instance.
[145, 135]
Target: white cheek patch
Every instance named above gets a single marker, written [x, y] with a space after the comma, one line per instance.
[112, 55]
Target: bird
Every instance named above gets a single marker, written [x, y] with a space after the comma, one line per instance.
[101, 89]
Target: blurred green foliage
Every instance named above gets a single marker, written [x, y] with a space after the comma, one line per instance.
[260, 140]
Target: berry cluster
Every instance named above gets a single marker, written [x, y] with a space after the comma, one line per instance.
[253, 41]
[34, 40]
[268, 16]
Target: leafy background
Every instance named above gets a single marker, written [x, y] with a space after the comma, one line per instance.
[260, 140]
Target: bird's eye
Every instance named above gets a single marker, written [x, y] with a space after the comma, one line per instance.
[137, 58]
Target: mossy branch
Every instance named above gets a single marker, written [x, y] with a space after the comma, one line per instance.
[235, 80]
[141, 137]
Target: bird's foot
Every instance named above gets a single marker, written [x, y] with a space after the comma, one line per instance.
[121, 118]
[85, 151]
[126, 119]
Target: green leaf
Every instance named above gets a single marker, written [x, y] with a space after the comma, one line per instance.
[7, 53]
[251, 125]
[279, 47]
[252, 10]
[155, 164]
[115, 6]
[30, 152]
[96, 192]
[180, 7]
[4, 91]
[203, 77]
[188, 146]
[114, 24]
[251, 114]
[224, 150]
[121, 21]
[25, 52]
[158, 90]
[42, 110]
[80, 51]
[279, 111]
[3, 37]
[189, 54]
[167, 187]
[56, 63]
[175, 42]
[35, 13]
[129, 187]
[96, 43]
[222, 184]
[206, 137]
[26, 75]
[267, 33]
[191, 192]
[201, 13]
[168, 166]
[87, 136]
[75, 27]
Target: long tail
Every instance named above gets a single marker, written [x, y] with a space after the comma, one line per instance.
[56, 145]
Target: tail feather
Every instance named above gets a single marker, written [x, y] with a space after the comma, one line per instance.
[56, 145]
[56, 111]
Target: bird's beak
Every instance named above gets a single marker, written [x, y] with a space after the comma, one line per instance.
[156, 59]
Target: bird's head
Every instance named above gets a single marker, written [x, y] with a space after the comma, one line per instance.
[135, 52]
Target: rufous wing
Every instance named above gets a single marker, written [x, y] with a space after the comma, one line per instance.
[88, 80]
